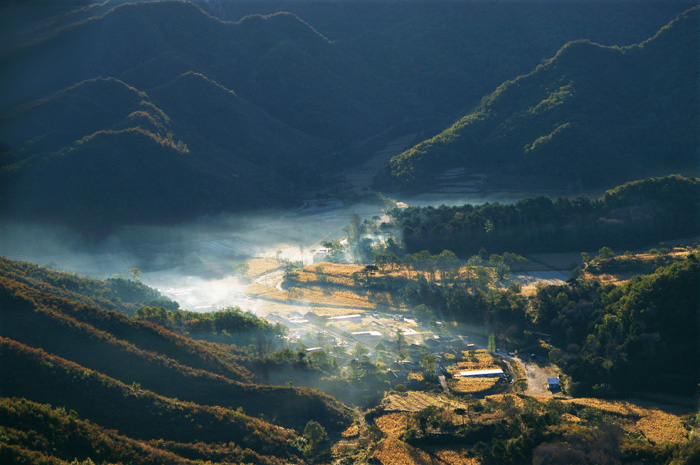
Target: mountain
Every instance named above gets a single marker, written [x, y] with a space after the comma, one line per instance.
[274, 61]
[39, 433]
[120, 113]
[151, 126]
[42, 316]
[591, 116]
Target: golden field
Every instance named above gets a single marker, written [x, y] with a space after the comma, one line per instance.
[657, 425]
[393, 451]
[260, 266]
[473, 360]
[413, 401]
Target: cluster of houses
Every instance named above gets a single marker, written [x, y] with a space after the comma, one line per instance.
[329, 332]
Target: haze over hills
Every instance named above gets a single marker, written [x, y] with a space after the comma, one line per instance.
[154, 112]
[591, 115]
[135, 376]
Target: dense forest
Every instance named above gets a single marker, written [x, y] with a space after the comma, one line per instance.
[632, 215]
[190, 111]
[611, 339]
[569, 125]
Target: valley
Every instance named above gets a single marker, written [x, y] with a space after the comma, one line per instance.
[349, 232]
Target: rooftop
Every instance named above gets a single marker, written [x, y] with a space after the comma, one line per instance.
[477, 373]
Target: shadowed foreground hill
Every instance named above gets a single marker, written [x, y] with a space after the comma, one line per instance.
[138, 378]
[136, 351]
[591, 116]
[37, 433]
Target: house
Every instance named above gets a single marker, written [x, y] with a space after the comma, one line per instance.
[354, 317]
[321, 254]
[367, 336]
[393, 377]
[553, 384]
[481, 374]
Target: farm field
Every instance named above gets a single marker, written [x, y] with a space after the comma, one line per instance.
[656, 424]
[260, 266]
[393, 451]
[413, 401]
[472, 360]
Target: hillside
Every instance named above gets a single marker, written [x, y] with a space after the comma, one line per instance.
[136, 377]
[589, 117]
[38, 433]
[193, 115]
[635, 214]
[158, 107]
[65, 143]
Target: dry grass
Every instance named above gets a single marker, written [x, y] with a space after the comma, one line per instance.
[414, 401]
[473, 360]
[621, 408]
[320, 296]
[514, 400]
[351, 432]
[455, 457]
[259, 266]
[267, 292]
[393, 451]
[569, 418]
[393, 424]
[472, 385]
[479, 359]
[659, 426]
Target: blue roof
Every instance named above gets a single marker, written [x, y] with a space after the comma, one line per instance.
[552, 380]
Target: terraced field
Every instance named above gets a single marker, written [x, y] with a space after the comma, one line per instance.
[413, 401]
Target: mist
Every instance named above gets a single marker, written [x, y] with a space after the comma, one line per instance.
[195, 263]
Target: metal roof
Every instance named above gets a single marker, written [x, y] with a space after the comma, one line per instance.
[496, 372]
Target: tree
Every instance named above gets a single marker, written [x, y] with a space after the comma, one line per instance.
[429, 416]
[400, 340]
[135, 274]
[360, 350]
[461, 412]
[428, 363]
[605, 252]
[492, 343]
[316, 437]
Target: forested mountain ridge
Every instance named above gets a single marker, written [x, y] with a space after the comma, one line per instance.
[590, 116]
[131, 351]
[634, 214]
[610, 338]
[154, 112]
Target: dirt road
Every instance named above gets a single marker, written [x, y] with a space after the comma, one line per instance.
[537, 374]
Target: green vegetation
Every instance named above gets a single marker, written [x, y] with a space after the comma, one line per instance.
[231, 326]
[130, 352]
[589, 117]
[39, 433]
[117, 294]
[519, 429]
[191, 112]
[610, 339]
[634, 214]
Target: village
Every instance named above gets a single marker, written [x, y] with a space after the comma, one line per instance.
[459, 359]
